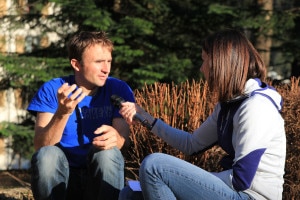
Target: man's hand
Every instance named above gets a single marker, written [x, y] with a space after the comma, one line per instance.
[68, 97]
[106, 137]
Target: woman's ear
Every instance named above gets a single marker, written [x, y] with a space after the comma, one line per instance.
[75, 64]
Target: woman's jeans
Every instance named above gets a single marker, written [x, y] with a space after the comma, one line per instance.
[166, 177]
[53, 179]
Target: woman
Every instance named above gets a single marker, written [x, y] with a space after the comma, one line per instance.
[246, 123]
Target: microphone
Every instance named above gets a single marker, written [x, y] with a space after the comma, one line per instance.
[117, 101]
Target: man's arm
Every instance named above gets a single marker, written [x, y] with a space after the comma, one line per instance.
[49, 128]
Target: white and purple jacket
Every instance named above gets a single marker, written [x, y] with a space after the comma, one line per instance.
[253, 136]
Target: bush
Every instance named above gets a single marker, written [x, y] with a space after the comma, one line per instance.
[185, 107]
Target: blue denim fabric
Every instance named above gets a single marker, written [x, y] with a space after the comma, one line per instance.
[166, 177]
[53, 179]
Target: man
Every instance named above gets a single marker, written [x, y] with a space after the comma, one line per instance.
[78, 131]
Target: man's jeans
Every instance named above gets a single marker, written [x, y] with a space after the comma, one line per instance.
[167, 177]
[53, 179]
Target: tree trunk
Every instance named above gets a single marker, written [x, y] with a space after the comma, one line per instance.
[264, 40]
[295, 68]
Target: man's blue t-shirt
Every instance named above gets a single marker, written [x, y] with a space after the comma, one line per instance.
[94, 111]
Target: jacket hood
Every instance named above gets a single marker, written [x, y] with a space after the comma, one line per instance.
[256, 86]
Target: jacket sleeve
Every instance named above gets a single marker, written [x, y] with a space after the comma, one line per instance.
[189, 143]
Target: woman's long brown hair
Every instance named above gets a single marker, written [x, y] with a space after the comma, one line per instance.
[233, 60]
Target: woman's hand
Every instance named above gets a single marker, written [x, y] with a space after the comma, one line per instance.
[129, 111]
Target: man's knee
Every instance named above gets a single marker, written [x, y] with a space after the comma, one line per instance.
[107, 170]
[48, 159]
[108, 158]
[50, 173]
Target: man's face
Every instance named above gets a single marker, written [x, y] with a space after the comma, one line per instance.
[95, 66]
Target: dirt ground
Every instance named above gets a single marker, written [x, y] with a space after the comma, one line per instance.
[14, 185]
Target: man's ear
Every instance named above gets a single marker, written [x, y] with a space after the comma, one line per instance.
[75, 64]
